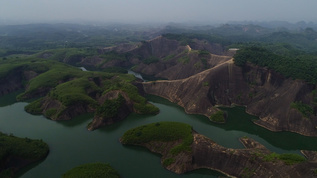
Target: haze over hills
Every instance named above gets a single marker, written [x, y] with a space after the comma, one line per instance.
[155, 11]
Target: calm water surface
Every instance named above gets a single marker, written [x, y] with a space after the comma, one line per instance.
[71, 144]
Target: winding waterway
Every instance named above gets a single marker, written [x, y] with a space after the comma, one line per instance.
[71, 144]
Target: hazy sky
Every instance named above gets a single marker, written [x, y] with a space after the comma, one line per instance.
[159, 10]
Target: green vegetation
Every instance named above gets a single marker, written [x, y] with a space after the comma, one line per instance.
[150, 60]
[205, 84]
[203, 53]
[187, 38]
[26, 149]
[247, 172]
[50, 112]
[204, 62]
[81, 91]
[110, 108]
[287, 158]
[75, 92]
[184, 59]
[305, 109]
[115, 70]
[16, 67]
[68, 85]
[314, 93]
[51, 74]
[291, 54]
[123, 83]
[302, 66]
[34, 107]
[197, 65]
[171, 56]
[162, 132]
[218, 117]
[11, 65]
[68, 55]
[314, 103]
[146, 108]
[168, 162]
[22, 147]
[98, 170]
[183, 39]
[112, 55]
[36, 37]
[291, 159]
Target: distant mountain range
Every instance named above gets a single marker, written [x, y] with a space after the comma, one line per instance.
[279, 24]
[267, 24]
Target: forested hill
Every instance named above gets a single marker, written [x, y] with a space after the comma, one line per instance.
[293, 64]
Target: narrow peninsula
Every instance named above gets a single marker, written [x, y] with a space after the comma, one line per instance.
[184, 150]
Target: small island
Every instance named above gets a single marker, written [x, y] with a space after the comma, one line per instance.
[100, 170]
[16, 153]
[184, 150]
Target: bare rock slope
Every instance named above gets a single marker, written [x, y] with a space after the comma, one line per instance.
[265, 93]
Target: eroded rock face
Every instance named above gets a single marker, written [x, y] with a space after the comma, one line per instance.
[265, 93]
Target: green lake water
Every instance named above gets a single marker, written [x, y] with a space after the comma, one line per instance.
[71, 144]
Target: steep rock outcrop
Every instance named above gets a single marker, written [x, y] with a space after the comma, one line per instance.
[198, 93]
[265, 93]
